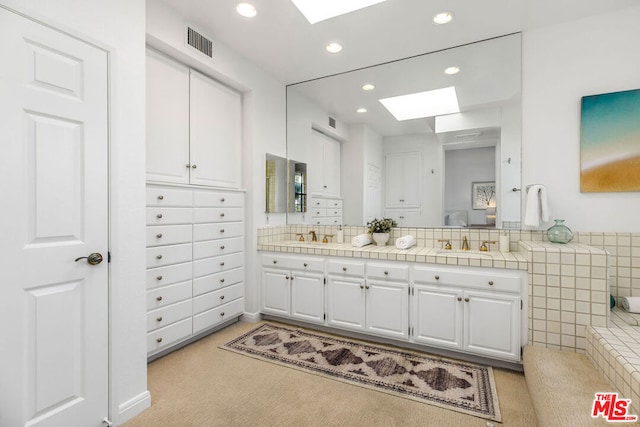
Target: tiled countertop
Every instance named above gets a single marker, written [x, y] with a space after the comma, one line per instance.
[428, 255]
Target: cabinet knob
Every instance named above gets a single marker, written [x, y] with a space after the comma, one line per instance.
[286, 277]
[159, 319]
[159, 256]
[491, 282]
[188, 166]
[459, 298]
[159, 339]
[222, 264]
[159, 278]
[291, 277]
[221, 296]
[222, 247]
[222, 215]
[386, 273]
[222, 314]
[159, 235]
[275, 261]
[222, 200]
[159, 298]
[344, 268]
[221, 280]
[366, 286]
[324, 186]
[194, 166]
[361, 286]
[437, 277]
[466, 300]
[305, 264]
[159, 216]
[222, 230]
[160, 197]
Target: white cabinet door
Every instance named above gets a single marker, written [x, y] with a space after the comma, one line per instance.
[345, 303]
[492, 324]
[324, 165]
[387, 308]
[332, 167]
[167, 119]
[394, 182]
[402, 179]
[216, 133]
[412, 182]
[437, 316]
[276, 295]
[307, 297]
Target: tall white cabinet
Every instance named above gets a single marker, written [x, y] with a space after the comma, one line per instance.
[195, 207]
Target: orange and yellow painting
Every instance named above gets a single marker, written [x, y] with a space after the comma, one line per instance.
[610, 142]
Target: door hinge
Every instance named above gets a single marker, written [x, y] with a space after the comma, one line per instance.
[521, 305]
[324, 316]
[324, 280]
[108, 256]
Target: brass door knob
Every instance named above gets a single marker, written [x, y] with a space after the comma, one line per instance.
[93, 259]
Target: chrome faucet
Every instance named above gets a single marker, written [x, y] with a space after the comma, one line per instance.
[314, 238]
[465, 244]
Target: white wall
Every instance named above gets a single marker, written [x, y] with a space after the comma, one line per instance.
[560, 65]
[118, 25]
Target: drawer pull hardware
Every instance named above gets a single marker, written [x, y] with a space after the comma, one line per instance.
[222, 230]
[188, 166]
[344, 268]
[361, 286]
[160, 197]
[222, 215]
[194, 166]
[286, 277]
[159, 216]
[437, 277]
[291, 277]
[222, 264]
[159, 235]
[222, 247]
[159, 278]
[305, 264]
[159, 339]
[159, 319]
[221, 280]
[491, 282]
[366, 286]
[459, 298]
[466, 300]
[222, 314]
[275, 261]
[159, 298]
[159, 256]
[386, 273]
[221, 296]
[222, 200]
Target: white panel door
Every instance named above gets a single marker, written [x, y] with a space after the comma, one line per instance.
[437, 316]
[346, 303]
[276, 292]
[394, 180]
[167, 119]
[307, 297]
[332, 167]
[216, 133]
[387, 308]
[53, 181]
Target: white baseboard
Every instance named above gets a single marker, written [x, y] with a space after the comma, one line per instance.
[251, 317]
[133, 407]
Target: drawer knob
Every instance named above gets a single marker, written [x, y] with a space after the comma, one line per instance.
[159, 256]
[305, 264]
[221, 296]
[386, 273]
[160, 197]
[159, 339]
[222, 314]
[222, 230]
[466, 300]
[344, 268]
[159, 319]
[459, 298]
[159, 216]
[159, 298]
[275, 261]
[188, 166]
[366, 286]
[194, 166]
[222, 247]
[159, 278]
[222, 200]
[491, 282]
[159, 235]
[286, 277]
[222, 264]
[222, 215]
[437, 277]
[221, 280]
[361, 286]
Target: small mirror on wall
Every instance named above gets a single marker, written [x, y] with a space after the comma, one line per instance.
[276, 184]
[297, 187]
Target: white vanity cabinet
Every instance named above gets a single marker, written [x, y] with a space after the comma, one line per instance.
[325, 211]
[474, 310]
[293, 287]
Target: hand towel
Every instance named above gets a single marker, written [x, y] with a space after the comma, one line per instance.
[361, 240]
[537, 208]
[631, 304]
[405, 242]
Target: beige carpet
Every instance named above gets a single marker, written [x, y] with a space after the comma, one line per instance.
[203, 385]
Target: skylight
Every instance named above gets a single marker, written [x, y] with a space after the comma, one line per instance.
[423, 104]
[319, 10]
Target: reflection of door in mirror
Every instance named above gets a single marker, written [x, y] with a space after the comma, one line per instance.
[297, 187]
[275, 184]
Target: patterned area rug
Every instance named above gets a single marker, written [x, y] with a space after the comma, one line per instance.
[450, 384]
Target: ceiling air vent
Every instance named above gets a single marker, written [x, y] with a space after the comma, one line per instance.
[332, 122]
[199, 42]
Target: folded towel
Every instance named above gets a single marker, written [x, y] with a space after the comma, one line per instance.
[405, 242]
[537, 208]
[361, 240]
[631, 304]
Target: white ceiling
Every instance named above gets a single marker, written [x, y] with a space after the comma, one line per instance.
[283, 43]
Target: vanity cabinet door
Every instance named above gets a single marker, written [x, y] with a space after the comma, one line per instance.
[387, 308]
[307, 297]
[438, 316]
[276, 292]
[492, 324]
[346, 303]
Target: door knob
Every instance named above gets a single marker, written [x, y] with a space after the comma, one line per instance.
[93, 259]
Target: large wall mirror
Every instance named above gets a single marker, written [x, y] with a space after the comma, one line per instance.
[445, 165]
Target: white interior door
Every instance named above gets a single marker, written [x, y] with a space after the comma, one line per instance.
[54, 186]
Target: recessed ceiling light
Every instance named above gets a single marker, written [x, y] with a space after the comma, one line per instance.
[452, 70]
[443, 18]
[361, 110]
[319, 10]
[333, 47]
[423, 104]
[247, 10]
[368, 86]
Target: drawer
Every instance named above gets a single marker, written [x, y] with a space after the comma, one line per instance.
[166, 255]
[334, 204]
[217, 315]
[497, 281]
[327, 221]
[168, 234]
[334, 212]
[204, 267]
[346, 268]
[209, 283]
[161, 338]
[318, 203]
[169, 216]
[217, 298]
[387, 271]
[169, 197]
[163, 276]
[218, 199]
[318, 212]
[167, 315]
[167, 295]
[295, 263]
[217, 247]
[201, 215]
[217, 231]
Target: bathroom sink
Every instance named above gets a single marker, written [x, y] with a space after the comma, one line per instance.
[467, 254]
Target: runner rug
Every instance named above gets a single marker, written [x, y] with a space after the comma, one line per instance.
[451, 384]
